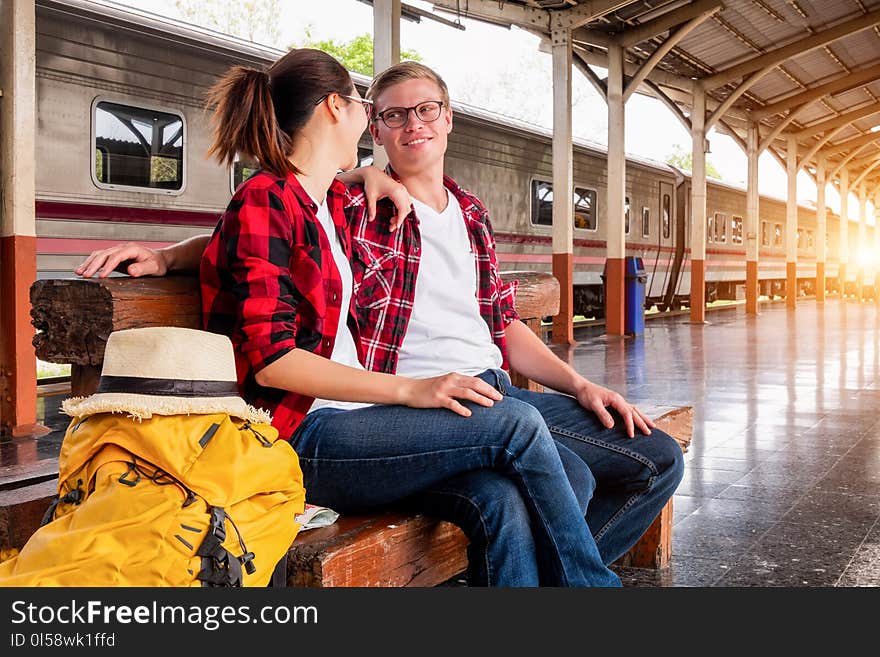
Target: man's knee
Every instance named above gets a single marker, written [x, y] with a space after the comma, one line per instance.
[669, 458]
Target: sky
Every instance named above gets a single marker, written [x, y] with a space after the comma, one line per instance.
[503, 70]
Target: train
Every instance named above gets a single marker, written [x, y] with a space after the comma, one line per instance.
[121, 150]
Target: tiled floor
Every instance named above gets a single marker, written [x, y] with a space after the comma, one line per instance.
[782, 482]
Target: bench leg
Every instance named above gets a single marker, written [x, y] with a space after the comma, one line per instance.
[654, 548]
[84, 380]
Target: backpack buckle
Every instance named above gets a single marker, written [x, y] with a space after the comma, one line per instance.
[123, 478]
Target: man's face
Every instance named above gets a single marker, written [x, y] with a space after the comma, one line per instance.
[419, 142]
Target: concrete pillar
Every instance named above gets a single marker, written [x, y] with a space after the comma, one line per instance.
[615, 250]
[18, 242]
[875, 253]
[791, 217]
[821, 229]
[386, 51]
[563, 184]
[752, 221]
[862, 257]
[698, 207]
[843, 258]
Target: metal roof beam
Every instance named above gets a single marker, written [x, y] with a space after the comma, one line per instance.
[778, 128]
[844, 83]
[855, 142]
[600, 84]
[839, 166]
[839, 121]
[661, 77]
[867, 159]
[667, 21]
[799, 47]
[671, 41]
[538, 20]
[863, 174]
[815, 148]
[673, 107]
[744, 86]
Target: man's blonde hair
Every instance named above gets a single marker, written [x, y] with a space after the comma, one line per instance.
[401, 73]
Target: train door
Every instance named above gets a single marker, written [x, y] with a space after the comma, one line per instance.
[666, 237]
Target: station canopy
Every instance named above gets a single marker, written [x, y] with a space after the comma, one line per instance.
[808, 68]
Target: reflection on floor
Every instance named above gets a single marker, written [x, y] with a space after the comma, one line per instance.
[782, 480]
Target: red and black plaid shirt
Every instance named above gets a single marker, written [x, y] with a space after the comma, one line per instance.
[269, 282]
[386, 265]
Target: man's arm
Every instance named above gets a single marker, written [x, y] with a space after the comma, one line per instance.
[139, 260]
[529, 356]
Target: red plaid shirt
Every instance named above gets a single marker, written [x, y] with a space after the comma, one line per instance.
[269, 282]
[386, 265]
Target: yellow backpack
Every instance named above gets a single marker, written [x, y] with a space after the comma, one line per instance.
[177, 500]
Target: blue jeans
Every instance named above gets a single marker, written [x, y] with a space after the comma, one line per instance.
[621, 484]
[359, 459]
[634, 477]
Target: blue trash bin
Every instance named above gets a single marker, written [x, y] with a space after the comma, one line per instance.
[634, 299]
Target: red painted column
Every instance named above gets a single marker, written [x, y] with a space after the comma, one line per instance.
[615, 273]
[791, 284]
[18, 363]
[820, 282]
[698, 291]
[752, 287]
[563, 323]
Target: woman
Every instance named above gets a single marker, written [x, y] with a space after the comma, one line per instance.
[276, 278]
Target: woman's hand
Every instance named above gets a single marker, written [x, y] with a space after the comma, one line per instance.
[446, 391]
[144, 261]
[597, 399]
[378, 184]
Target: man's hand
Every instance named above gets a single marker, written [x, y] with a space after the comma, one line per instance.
[597, 399]
[139, 260]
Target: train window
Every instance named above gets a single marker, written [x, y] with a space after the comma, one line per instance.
[583, 200]
[800, 238]
[810, 241]
[137, 147]
[765, 233]
[720, 227]
[777, 234]
[242, 170]
[710, 228]
[736, 230]
[666, 215]
[542, 203]
[585, 208]
[646, 222]
[626, 215]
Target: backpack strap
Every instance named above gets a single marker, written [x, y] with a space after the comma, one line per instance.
[219, 566]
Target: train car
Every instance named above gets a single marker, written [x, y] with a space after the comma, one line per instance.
[121, 155]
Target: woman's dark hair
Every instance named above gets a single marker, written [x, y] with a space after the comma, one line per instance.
[258, 113]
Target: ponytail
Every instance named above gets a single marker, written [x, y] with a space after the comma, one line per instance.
[244, 121]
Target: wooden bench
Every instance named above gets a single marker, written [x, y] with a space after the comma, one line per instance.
[388, 548]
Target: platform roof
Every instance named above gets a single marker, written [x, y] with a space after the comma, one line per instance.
[810, 68]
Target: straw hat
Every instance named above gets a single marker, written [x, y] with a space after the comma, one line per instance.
[166, 371]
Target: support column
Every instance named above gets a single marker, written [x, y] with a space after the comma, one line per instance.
[386, 51]
[752, 221]
[821, 229]
[791, 216]
[862, 256]
[18, 242]
[615, 249]
[843, 257]
[875, 253]
[698, 207]
[563, 207]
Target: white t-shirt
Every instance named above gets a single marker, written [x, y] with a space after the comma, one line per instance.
[446, 332]
[344, 350]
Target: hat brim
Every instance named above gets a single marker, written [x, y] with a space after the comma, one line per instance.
[144, 407]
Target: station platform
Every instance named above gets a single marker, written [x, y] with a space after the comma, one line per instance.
[782, 476]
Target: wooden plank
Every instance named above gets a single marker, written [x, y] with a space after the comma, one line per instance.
[537, 293]
[388, 549]
[21, 510]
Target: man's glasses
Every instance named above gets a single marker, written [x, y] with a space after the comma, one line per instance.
[396, 117]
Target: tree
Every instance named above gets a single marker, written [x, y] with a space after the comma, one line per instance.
[254, 20]
[357, 54]
[684, 160]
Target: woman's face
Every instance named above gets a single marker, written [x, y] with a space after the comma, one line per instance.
[353, 123]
